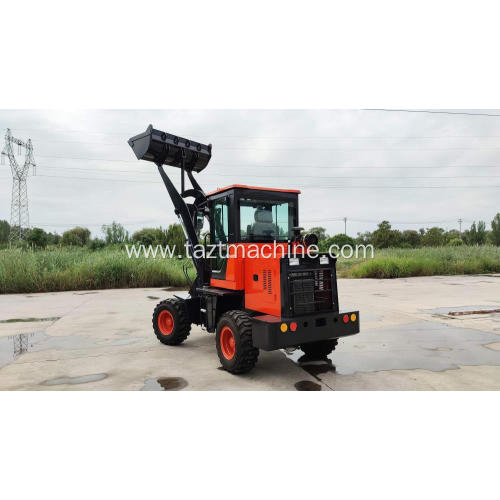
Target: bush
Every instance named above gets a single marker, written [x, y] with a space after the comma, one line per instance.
[77, 237]
[339, 239]
[4, 231]
[455, 242]
[96, 244]
[37, 238]
[150, 236]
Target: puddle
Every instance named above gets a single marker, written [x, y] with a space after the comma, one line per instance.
[84, 293]
[29, 320]
[175, 289]
[164, 384]
[152, 297]
[307, 385]
[82, 379]
[425, 345]
[13, 346]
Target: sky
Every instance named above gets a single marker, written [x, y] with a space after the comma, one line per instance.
[412, 169]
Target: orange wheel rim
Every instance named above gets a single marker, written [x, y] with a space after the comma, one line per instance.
[165, 322]
[227, 343]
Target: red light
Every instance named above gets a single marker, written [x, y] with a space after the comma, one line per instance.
[293, 326]
[345, 319]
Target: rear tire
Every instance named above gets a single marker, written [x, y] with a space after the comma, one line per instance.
[320, 349]
[171, 322]
[236, 351]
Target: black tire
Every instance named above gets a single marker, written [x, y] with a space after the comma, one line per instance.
[320, 349]
[244, 353]
[174, 311]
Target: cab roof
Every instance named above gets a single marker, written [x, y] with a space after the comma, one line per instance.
[243, 186]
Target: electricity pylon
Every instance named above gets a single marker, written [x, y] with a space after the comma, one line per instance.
[19, 214]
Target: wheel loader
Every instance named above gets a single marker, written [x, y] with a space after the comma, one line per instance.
[279, 296]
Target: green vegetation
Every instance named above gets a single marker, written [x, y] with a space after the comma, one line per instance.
[59, 269]
[76, 268]
[403, 262]
[387, 237]
[47, 262]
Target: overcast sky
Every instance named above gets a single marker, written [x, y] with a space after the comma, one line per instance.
[87, 174]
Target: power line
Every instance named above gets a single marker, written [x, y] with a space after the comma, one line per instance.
[433, 112]
[277, 176]
[232, 165]
[298, 138]
[104, 179]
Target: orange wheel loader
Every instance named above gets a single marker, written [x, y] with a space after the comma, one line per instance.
[262, 287]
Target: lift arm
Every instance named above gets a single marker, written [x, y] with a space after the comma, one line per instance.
[162, 148]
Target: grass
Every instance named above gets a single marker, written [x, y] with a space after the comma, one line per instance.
[403, 262]
[60, 269]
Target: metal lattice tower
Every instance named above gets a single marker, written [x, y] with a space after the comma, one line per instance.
[19, 214]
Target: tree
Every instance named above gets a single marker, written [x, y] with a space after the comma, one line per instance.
[53, 238]
[115, 233]
[340, 240]
[37, 238]
[175, 236]
[4, 231]
[384, 236]
[78, 236]
[433, 237]
[455, 242]
[320, 232]
[411, 238]
[477, 234]
[150, 236]
[495, 230]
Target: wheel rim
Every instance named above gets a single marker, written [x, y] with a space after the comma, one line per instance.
[227, 342]
[165, 322]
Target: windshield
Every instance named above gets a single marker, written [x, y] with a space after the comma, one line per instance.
[265, 220]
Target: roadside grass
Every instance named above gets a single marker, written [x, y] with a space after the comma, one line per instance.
[61, 269]
[427, 261]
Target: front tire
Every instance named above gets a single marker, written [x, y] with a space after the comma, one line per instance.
[236, 351]
[171, 322]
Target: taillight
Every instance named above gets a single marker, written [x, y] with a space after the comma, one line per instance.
[293, 326]
[353, 317]
[345, 319]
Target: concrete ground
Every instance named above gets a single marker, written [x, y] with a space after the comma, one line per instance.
[103, 340]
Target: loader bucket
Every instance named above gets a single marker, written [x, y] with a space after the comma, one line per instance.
[167, 149]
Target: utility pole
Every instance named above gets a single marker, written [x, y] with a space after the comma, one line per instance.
[345, 225]
[19, 215]
[460, 225]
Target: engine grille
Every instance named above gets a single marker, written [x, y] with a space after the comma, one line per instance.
[310, 291]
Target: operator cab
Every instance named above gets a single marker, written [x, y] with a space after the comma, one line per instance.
[248, 214]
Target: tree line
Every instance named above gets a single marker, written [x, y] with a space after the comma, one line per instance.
[387, 237]
[113, 234]
[383, 237]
